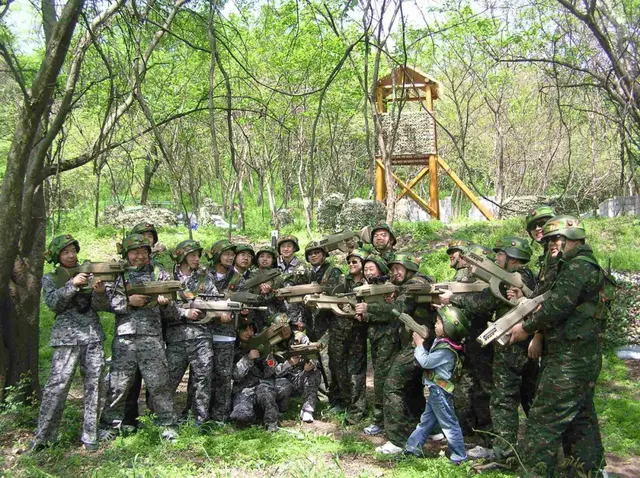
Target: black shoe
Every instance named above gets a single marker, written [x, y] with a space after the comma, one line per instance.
[90, 446]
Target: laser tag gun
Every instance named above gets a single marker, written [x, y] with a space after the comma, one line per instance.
[339, 239]
[342, 306]
[309, 351]
[372, 292]
[499, 330]
[427, 293]
[265, 340]
[237, 296]
[260, 277]
[153, 289]
[487, 270]
[213, 310]
[296, 293]
[411, 324]
[98, 271]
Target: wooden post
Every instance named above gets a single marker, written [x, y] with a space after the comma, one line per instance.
[472, 197]
[414, 181]
[410, 192]
[381, 190]
[433, 185]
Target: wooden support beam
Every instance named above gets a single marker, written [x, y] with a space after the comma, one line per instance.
[381, 190]
[421, 202]
[472, 197]
[433, 185]
[415, 181]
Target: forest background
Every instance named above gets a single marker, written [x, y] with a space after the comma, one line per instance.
[264, 105]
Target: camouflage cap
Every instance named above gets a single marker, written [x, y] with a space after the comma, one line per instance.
[145, 227]
[52, 254]
[312, 246]
[217, 249]
[288, 238]
[131, 242]
[245, 248]
[378, 261]
[409, 261]
[541, 212]
[514, 247]
[184, 248]
[269, 250]
[456, 325]
[384, 227]
[570, 227]
[457, 245]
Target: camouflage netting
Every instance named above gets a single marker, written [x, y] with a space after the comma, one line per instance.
[328, 211]
[285, 218]
[358, 213]
[208, 212]
[130, 216]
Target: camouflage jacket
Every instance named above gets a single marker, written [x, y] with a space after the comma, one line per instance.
[293, 273]
[329, 276]
[348, 323]
[76, 321]
[269, 300]
[179, 328]
[249, 373]
[387, 255]
[423, 314]
[284, 368]
[139, 320]
[381, 320]
[568, 315]
[462, 275]
[221, 281]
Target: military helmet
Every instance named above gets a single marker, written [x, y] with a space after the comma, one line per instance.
[268, 250]
[378, 261]
[312, 246]
[541, 212]
[359, 253]
[457, 245]
[456, 325]
[217, 249]
[52, 254]
[279, 318]
[481, 251]
[184, 248]
[384, 227]
[514, 247]
[409, 261]
[133, 241]
[245, 248]
[244, 321]
[145, 227]
[570, 227]
[288, 238]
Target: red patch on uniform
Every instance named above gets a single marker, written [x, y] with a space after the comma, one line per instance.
[271, 363]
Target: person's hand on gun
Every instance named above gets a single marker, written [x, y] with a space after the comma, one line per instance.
[417, 340]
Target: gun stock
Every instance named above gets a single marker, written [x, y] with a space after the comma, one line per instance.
[332, 303]
[155, 288]
[487, 270]
[213, 310]
[103, 271]
[411, 324]
[499, 330]
[373, 292]
[428, 293]
[296, 293]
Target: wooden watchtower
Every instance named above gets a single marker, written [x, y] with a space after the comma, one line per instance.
[415, 137]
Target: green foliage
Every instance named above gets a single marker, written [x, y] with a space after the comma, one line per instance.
[623, 309]
[15, 411]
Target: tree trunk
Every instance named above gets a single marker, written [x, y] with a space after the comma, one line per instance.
[150, 168]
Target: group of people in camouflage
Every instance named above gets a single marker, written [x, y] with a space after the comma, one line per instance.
[549, 367]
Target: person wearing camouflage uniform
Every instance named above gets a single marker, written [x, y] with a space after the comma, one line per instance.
[265, 260]
[77, 339]
[563, 411]
[254, 387]
[382, 331]
[138, 337]
[245, 256]
[188, 342]
[294, 272]
[455, 249]
[514, 373]
[296, 376]
[348, 350]
[383, 240]
[476, 380]
[221, 257]
[403, 397]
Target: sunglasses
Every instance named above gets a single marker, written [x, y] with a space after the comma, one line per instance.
[354, 262]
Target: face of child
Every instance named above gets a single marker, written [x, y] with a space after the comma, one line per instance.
[69, 256]
[439, 328]
[138, 257]
[246, 333]
[371, 270]
[265, 260]
[193, 260]
[227, 257]
[286, 249]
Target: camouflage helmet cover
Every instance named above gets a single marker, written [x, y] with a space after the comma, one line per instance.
[514, 247]
[359, 253]
[269, 250]
[541, 212]
[409, 261]
[384, 227]
[457, 245]
[481, 251]
[456, 325]
[52, 254]
[279, 318]
[288, 238]
[570, 227]
[145, 227]
[244, 321]
[133, 241]
[378, 261]
[245, 248]
[217, 249]
[184, 248]
[312, 246]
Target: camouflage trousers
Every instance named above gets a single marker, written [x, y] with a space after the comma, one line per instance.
[385, 344]
[299, 382]
[563, 412]
[514, 384]
[221, 390]
[252, 402]
[473, 391]
[147, 353]
[196, 354]
[348, 361]
[65, 360]
[404, 399]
